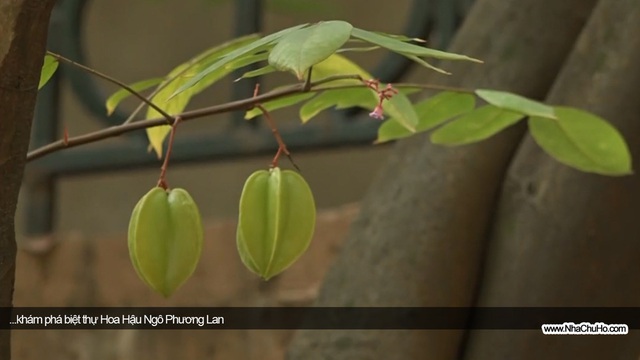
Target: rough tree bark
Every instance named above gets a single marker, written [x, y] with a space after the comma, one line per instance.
[563, 237]
[23, 35]
[420, 238]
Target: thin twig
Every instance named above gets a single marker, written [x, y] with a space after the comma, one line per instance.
[307, 82]
[114, 81]
[162, 181]
[282, 147]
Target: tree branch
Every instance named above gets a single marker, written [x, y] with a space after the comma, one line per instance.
[243, 104]
[138, 125]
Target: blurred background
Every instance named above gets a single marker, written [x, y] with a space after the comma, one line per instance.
[75, 205]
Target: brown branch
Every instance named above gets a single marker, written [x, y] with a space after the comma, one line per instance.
[138, 125]
[243, 104]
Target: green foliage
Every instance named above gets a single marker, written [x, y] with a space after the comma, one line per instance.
[400, 108]
[163, 96]
[277, 209]
[49, 67]
[298, 48]
[117, 97]
[576, 138]
[509, 101]
[340, 99]
[258, 72]
[253, 48]
[582, 140]
[431, 113]
[411, 51]
[279, 104]
[301, 49]
[477, 125]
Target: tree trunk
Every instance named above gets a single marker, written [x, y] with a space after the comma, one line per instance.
[23, 35]
[420, 238]
[563, 237]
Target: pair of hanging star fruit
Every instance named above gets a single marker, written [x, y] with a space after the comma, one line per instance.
[275, 227]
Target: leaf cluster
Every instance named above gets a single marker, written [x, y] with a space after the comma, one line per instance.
[313, 53]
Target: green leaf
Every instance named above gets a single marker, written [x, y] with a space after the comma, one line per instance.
[427, 65]
[396, 44]
[334, 65]
[341, 99]
[403, 38]
[221, 72]
[116, 98]
[249, 49]
[400, 108]
[49, 67]
[517, 103]
[477, 125]
[303, 48]
[338, 65]
[582, 140]
[358, 49]
[184, 73]
[278, 104]
[431, 112]
[257, 72]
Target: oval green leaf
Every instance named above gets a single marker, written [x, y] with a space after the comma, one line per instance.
[431, 112]
[582, 140]
[49, 67]
[509, 101]
[477, 125]
[303, 48]
[400, 108]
